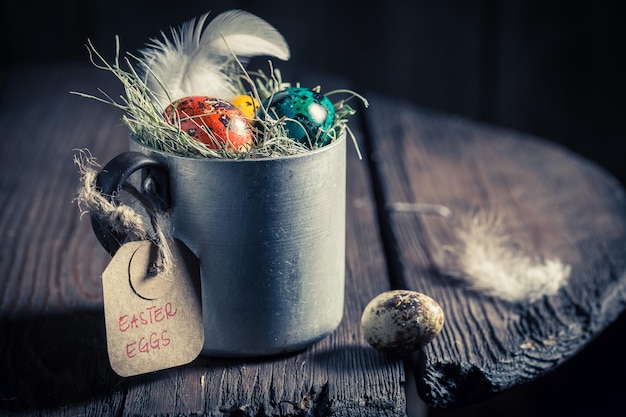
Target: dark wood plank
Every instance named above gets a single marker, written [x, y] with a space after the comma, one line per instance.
[553, 204]
[52, 346]
[53, 357]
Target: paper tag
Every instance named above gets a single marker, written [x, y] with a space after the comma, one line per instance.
[153, 318]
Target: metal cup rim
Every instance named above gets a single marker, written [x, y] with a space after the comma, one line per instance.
[308, 154]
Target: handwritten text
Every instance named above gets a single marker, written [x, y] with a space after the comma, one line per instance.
[151, 315]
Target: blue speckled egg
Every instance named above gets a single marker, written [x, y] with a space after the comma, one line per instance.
[313, 112]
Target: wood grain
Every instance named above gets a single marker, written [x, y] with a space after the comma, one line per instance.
[552, 203]
[53, 358]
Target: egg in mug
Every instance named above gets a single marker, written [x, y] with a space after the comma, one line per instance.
[309, 115]
[212, 121]
[247, 104]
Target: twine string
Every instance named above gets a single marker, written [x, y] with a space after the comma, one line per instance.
[122, 218]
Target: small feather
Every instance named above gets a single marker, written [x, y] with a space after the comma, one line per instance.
[487, 258]
[198, 60]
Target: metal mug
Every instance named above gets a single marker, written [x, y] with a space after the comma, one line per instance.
[269, 235]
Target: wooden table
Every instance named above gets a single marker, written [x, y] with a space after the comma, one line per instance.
[552, 204]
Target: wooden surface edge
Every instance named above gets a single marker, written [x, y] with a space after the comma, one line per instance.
[451, 383]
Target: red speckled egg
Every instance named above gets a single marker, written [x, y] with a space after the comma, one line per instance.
[214, 122]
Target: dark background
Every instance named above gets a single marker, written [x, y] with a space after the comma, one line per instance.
[549, 68]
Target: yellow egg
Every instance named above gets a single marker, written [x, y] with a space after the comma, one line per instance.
[247, 104]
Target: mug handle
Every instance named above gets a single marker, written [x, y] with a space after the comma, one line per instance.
[154, 193]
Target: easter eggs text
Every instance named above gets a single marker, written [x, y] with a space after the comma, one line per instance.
[153, 318]
[151, 315]
[153, 341]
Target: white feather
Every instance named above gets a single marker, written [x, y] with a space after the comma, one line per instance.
[196, 59]
[488, 259]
